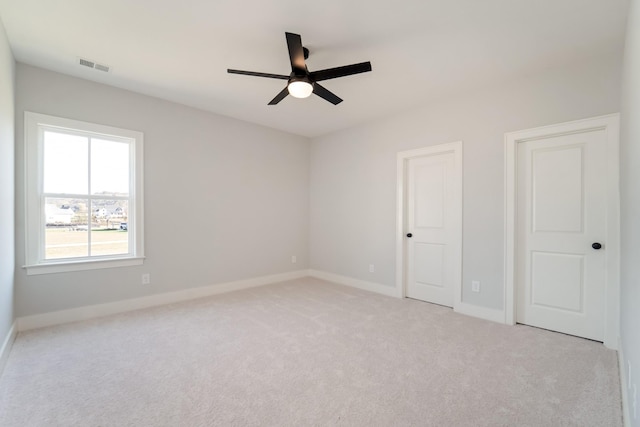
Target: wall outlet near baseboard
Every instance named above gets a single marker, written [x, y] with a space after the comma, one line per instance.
[372, 268]
[146, 278]
[294, 259]
[475, 286]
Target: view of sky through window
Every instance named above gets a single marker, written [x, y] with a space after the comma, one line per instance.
[66, 165]
[109, 167]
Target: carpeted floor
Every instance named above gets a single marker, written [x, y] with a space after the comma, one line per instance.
[306, 353]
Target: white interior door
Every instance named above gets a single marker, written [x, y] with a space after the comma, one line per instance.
[433, 231]
[561, 213]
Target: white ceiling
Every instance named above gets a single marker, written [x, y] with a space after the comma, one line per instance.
[420, 50]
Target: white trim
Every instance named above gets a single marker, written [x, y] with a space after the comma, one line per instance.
[491, 314]
[610, 123]
[7, 344]
[82, 265]
[356, 283]
[402, 158]
[624, 386]
[485, 313]
[92, 311]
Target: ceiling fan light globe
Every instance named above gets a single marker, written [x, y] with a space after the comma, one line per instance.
[300, 89]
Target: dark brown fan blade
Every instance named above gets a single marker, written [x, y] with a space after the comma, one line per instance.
[279, 97]
[347, 70]
[253, 73]
[296, 53]
[324, 93]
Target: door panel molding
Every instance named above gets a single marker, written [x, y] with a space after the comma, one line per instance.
[403, 159]
[611, 125]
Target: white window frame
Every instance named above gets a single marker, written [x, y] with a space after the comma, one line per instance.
[35, 124]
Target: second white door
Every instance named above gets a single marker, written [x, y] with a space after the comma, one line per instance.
[562, 235]
[434, 227]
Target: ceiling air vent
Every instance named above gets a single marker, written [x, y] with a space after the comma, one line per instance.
[94, 65]
[87, 63]
[101, 67]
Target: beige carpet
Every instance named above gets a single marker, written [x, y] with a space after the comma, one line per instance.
[306, 353]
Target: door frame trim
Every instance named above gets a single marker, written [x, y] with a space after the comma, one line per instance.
[403, 158]
[611, 125]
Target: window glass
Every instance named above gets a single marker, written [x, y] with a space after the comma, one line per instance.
[66, 163]
[109, 167]
[109, 229]
[66, 232]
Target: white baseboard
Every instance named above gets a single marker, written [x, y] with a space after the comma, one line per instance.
[92, 311]
[356, 283]
[7, 344]
[462, 308]
[624, 386]
[480, 312]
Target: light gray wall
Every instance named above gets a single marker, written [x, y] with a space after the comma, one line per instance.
[630, 203]
[224, 200]
[353, 172]
[7, 185]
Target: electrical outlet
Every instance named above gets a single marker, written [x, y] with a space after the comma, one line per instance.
[294, 259]
[372, 268]
[146, 278]
[475, 286]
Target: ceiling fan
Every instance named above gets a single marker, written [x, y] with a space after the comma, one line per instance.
[302, 82]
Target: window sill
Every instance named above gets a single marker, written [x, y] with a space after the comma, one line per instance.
[68, 266]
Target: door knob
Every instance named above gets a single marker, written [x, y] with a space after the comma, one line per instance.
[596, 246]
[409, 235]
